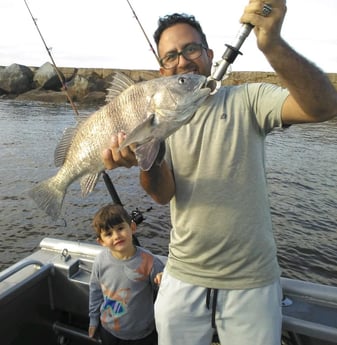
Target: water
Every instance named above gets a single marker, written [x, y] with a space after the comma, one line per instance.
[301, 172]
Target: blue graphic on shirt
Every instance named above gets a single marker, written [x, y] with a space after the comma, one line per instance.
[114, 306]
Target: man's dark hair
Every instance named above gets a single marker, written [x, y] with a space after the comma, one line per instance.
[175, 18]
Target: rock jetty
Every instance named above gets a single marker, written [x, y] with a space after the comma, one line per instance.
[89, 85]
[83, 85]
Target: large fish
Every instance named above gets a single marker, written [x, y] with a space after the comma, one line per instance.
[147, 111]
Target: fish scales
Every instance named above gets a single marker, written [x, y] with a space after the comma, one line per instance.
[147, 111]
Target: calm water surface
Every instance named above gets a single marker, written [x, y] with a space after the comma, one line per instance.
[301, 172]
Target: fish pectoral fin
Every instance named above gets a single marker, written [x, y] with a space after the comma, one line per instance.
[63, 146]
[147, 153]
[88, 183]
[139, 134]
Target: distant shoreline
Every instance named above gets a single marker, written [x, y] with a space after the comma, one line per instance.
[242, 76]
[236, 77]
[91, 83]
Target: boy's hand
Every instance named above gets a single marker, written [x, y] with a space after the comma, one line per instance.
[92, 331]
[158, 277]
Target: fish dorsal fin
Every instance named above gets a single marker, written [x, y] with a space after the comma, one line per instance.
[81, 118]
[119, 84]
[63, 146]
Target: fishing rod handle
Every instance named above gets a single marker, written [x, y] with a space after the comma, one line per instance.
[111, 189]
[242, 35]
[230, 54]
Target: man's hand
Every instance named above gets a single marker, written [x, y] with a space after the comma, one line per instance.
[267, 28]
[113, 157]
[306, 83]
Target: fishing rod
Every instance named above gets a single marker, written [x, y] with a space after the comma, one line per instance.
[232, 51]
[220, 67]
[111, 189]
[141, 27]
[106, 177]
[230, 54]
[64, 86]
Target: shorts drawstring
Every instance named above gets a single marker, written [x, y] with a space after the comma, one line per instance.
[208, 299]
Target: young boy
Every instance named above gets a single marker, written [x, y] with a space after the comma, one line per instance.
[122, 283]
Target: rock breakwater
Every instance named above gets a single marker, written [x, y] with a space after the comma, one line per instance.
[89, 85]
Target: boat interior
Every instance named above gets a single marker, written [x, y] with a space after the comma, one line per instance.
[44, 300]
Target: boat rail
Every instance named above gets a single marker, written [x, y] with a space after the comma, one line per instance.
[309, 329]
[10, 286]
[312, 291]
[15, 269]
[77, 247]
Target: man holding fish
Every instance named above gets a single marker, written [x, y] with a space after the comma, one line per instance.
[222, 270]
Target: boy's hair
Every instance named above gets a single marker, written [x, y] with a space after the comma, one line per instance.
[175, 18]
[109, 216]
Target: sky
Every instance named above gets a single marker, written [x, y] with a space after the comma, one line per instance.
[106, 34]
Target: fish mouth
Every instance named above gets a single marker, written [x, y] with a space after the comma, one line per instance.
[205, 86]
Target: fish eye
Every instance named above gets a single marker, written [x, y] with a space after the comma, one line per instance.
[182, 80]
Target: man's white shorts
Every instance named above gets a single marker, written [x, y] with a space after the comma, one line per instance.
[242, 317]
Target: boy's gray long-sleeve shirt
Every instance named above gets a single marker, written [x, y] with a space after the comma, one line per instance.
[121, 293]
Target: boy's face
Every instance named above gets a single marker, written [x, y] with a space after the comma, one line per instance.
[119, 240]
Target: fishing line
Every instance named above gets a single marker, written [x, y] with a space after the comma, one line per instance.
[64, 86]
[141, 27]
[137, 215]
[220, 67]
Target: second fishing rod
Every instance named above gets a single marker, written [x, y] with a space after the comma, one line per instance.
[232, 50]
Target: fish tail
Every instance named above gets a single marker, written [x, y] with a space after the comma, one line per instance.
[48, 197]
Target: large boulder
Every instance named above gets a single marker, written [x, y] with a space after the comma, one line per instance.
[16, 79]
[81, 86]
[42, 95]
[47, 78]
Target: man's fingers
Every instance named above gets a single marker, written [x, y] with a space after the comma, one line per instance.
[113, 157]
[108, 160]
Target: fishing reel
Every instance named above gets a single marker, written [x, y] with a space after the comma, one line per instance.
[137, 216]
